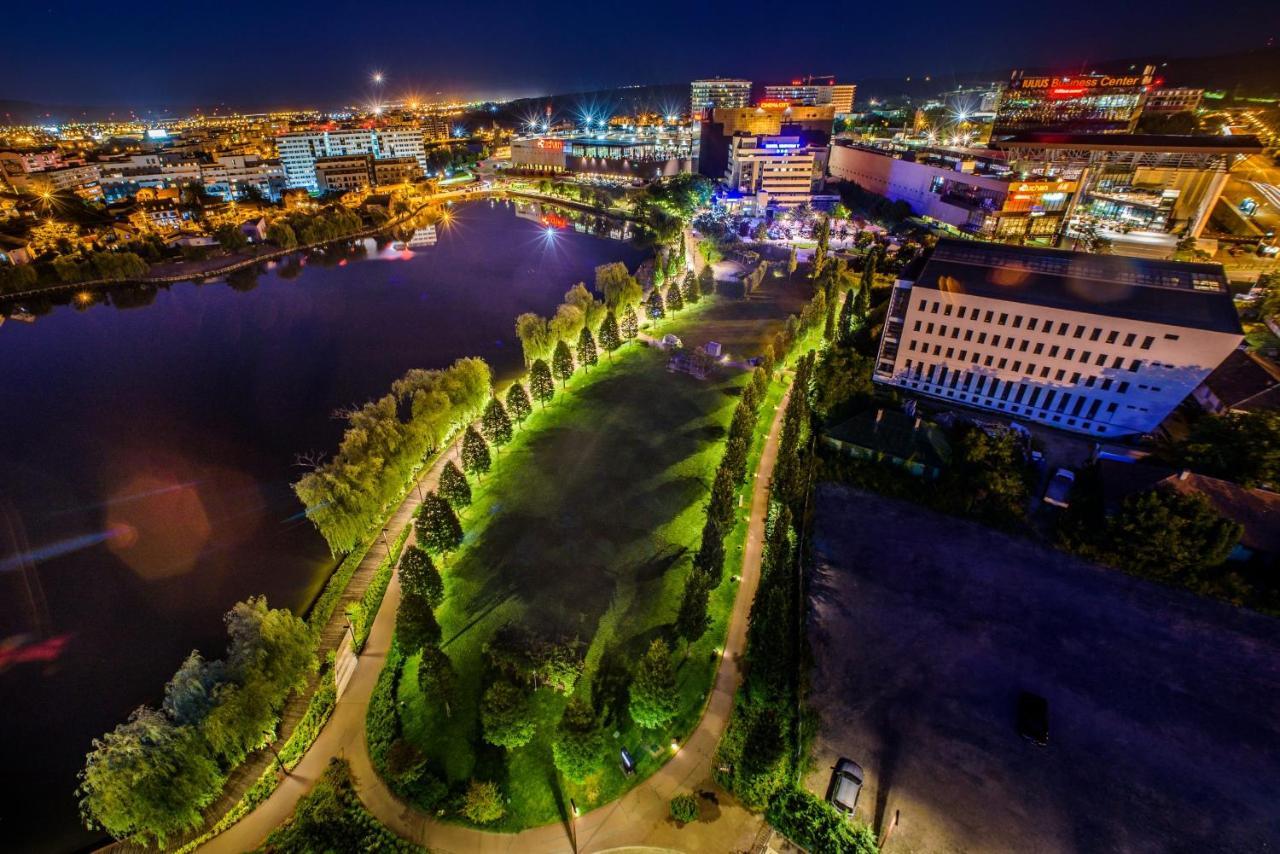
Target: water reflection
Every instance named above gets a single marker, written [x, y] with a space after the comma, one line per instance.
[148, 455]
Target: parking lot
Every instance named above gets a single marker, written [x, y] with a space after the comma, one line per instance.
[1164, 709]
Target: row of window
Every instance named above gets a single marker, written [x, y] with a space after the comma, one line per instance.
[1002, 319]
[1018, 397]
[1117, 362]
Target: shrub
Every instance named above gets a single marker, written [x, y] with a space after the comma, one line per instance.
[817, 826]
[684, 808]
[483, 802]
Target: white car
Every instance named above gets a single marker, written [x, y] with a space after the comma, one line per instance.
[1058, 492]
[846, 785]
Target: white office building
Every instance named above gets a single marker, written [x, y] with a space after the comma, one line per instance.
[299, 151]
[1098, 344]
[776, 170]
[718, 92]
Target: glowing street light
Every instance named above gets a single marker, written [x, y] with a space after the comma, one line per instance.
[377, 77]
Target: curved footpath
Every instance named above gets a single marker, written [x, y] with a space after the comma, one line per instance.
[638, 818]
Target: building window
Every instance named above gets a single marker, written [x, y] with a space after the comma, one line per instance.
[1112, 336]
[1147, 342]
[1017, 321]
[1022, 348]
[968, 335]
[1039, 348]
[946, 310]
[1053, 352]
[1079, 332]
[1004, 318]
[1122, 388]
[1031, 324]
[1097, 333]
[1129, 339]
[1063, 327]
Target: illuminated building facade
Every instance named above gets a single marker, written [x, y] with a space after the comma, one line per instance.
[779, 171]
[812, 124]
[1174, 100]
[299, 151]
[814, 91]
[621, 155]
[718, 92]
[343, 173]
[1098, 344]
[1084, 103]
[1043, 186]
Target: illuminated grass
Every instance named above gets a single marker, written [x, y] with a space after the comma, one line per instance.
[588, 521]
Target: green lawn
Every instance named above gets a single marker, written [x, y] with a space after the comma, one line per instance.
[587, 525]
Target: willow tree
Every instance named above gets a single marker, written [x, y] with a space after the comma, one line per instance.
[535, 337]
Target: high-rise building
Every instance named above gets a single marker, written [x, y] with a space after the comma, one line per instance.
[778, 170]
[718, 92]
[299, 151]
[814, 91]
[768, 118]
[1084, 103]
[1099, 344]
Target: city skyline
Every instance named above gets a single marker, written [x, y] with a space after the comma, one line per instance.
[509, 56]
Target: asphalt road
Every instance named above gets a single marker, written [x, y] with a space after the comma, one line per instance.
[1164, 732]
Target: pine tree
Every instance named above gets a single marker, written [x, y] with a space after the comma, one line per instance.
[454, 487]
[653, 690]
[657, 309]
[792, 262]
[630, 325]
[418, 575]
[437, 680]
[690, 288]
[562, 363]
[416, 626]
[675, 301]
[475, 453]
[692, 619]
[720, 504]
[863, 306]
[438, 528]
[610, 338]
[587, 348]
[710, 556]
[844, 329]
[829, 322]
[518, 403]
[707, 281]
[540, 382]
[822, 233]
[495, 423]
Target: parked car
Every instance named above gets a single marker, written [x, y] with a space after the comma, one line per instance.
[846, 785]
[1058, 492]
[1033, 717]
[670, 341]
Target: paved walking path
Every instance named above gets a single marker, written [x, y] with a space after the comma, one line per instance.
[639, 818]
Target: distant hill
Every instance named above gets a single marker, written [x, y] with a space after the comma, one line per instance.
[1245, 73]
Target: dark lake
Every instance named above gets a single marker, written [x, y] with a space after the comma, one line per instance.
[146, 456]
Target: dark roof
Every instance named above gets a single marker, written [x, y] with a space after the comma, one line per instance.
[1256, 510]
[895, 434]
[1169, 292]
[1243, 379]
[1243, 144]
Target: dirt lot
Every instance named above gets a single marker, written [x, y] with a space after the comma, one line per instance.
[1164, 709]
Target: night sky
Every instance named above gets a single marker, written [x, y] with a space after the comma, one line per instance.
[281, 53]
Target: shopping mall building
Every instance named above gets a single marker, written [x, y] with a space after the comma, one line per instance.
[643, 154]
[1041, 186]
